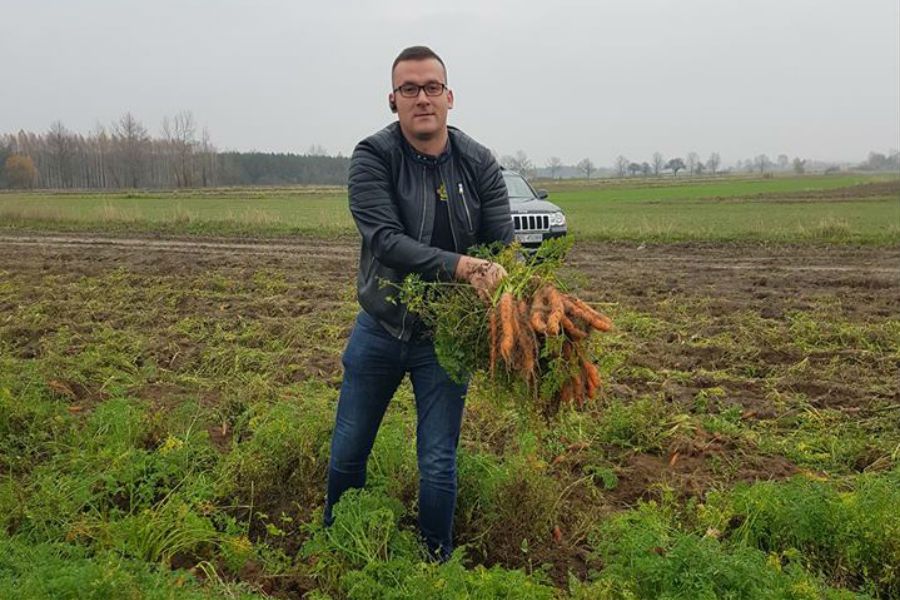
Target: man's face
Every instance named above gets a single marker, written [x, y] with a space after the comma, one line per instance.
[422, 117]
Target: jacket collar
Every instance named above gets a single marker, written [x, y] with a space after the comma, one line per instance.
[425, 159]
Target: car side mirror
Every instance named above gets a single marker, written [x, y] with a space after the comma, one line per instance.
[543, 194]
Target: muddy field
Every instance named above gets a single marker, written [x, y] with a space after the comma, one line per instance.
[731, 363]
[693, 293]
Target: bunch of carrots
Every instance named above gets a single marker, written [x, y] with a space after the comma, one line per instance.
[528, 332]
[519, 329]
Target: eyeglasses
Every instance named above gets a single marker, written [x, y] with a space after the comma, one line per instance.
[411, 90]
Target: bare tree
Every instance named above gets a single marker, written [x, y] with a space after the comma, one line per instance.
[208, 159]
[586, 166]
[185, 145]
[554, 164]
[783, 162]
[675, 165]
[169, 149]
[102, 150]
[762, 163]
[317, 150]
[132, 138]
[693, 159]
[658, 163]
[713, 162]
[519, 163]
[646, 169]
[621, 165]
[61, 144]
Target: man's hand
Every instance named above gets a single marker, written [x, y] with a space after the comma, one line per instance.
[483, 275]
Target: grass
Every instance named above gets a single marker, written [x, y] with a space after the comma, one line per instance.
[778, 209]
[721, 187]
[261, 211]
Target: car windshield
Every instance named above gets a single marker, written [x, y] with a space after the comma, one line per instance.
[518, 188]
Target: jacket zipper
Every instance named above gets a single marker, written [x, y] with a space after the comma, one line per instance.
[424, 202]
[466, 206]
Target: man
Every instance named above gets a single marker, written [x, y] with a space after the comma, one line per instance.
[421, 194]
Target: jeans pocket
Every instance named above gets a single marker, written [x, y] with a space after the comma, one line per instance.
[368, 324]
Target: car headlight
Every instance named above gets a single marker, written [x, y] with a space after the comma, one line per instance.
[557, 219]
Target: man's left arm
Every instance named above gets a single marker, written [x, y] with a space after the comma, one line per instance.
[496, 221]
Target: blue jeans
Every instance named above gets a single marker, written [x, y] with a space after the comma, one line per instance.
[374, 365]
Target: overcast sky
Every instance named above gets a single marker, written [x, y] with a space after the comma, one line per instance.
[811, 78]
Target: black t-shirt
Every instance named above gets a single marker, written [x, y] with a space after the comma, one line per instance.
[441, 235]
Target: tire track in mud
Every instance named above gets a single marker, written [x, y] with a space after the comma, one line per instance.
[318, 248]
[586, 255]
[739, 264]
[876, 261]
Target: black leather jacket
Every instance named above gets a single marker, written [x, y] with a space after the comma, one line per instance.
[392, 195]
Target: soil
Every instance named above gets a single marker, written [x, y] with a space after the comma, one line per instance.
[863, 192]
[720, 279]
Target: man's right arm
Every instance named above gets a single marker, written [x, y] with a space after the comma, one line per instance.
[379, 222]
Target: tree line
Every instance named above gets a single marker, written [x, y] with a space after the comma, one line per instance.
[691, 164]
[125, 155]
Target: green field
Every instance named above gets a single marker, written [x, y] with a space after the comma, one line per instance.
[846, 208]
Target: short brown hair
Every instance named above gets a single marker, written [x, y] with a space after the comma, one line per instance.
[417, 53]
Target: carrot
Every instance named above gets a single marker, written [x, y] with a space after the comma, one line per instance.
[528, 346]
[529, 349]
[565, 393]
[591, 377]
[529, 367]
[582, 310]
[507, 326]
[572, 329]
[578, 394]
[557, 534]
[522, 307]
[557, 310]
[538, 307]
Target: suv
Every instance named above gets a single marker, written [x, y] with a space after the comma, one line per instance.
[534, 219]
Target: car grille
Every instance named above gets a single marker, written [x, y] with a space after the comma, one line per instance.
[531, 222]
